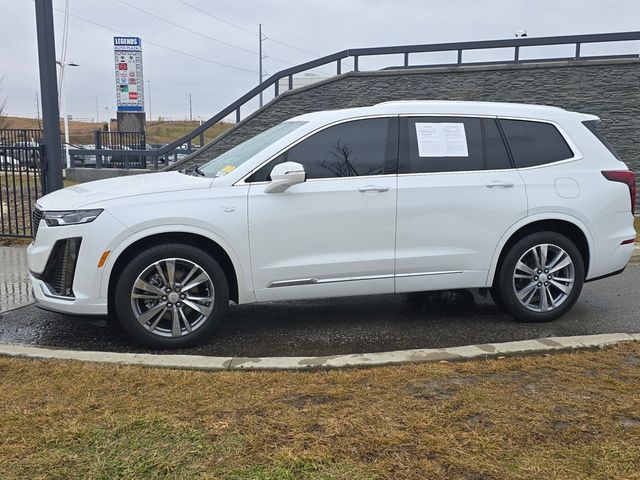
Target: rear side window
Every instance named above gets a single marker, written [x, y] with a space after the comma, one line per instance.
[451, 144]
[535, 143]
[442, 144]
[593, 125]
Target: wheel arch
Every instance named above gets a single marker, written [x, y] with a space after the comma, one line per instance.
[205, 243]
[572, 228]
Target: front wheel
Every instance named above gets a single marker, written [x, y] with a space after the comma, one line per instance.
[171, 296]
[541, 277]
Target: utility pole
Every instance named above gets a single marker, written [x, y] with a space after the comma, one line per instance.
[260, 59]
[97, 113]
[190, 109]
[49, 89]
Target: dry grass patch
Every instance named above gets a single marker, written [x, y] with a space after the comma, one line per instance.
[572, 416]
[157, 131]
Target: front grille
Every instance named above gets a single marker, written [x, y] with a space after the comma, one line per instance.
[61, 267]
[36, 216]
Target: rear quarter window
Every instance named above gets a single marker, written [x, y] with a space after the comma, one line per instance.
[534, 143]
[593, 125]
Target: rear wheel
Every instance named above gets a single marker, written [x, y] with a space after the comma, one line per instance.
[171, 296]
[540, 278]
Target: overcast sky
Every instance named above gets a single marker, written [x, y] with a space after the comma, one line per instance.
[297, 31]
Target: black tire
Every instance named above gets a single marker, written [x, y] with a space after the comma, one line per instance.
[505, 286]
[496, 297]
[185, 256]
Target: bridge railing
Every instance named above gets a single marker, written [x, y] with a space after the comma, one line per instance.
[184, 145]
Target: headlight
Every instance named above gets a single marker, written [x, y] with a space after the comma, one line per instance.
[70, 217]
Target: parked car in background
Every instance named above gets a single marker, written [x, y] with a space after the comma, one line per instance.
[527, 201]
[27, 153]
[9, 163]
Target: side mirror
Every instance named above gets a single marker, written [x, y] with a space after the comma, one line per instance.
[285, 175]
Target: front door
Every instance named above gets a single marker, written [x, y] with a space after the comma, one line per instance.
[334, 234]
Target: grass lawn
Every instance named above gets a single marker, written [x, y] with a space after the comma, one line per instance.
[565, 416]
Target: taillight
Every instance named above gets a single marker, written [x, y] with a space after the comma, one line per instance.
[624, 176]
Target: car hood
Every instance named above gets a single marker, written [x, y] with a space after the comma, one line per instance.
[92, 193]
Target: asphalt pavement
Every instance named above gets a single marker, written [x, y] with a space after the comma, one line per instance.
[352, 325]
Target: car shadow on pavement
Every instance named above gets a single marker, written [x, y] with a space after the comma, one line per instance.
[305, 327]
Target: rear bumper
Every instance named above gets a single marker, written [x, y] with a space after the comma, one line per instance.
[611, 255]
[612, 274]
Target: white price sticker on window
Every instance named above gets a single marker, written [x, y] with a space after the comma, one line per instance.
[441, 140]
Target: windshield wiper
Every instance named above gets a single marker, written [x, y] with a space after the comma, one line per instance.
[195, 170]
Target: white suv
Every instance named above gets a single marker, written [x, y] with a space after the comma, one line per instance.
[526, 200]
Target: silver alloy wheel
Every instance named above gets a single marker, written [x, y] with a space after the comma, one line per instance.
[543, 278]
[172, 297]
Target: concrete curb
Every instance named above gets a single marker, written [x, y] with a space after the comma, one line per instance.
[199, 362]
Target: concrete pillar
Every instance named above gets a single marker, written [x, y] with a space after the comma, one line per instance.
[131, 122]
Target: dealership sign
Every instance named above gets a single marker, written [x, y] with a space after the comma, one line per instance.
[128, 67]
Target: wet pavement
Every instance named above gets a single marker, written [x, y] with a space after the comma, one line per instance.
[352, 325]
[15, 289]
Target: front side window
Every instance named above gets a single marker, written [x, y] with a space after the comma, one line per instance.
[535, 143]
[233, 158]
[351, 149]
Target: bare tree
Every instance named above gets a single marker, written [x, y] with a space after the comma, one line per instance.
[4, 121]
[343, 163]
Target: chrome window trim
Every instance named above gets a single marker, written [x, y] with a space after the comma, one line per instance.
[577, 155]
[243, 180]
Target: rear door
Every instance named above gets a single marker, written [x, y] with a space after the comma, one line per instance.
[458, 193]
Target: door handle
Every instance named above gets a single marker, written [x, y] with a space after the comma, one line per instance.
[373, 188]
[499, 184]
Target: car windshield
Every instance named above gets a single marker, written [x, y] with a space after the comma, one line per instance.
[231, 159]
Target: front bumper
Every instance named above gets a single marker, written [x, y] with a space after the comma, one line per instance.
[47, 300]
[85, 295]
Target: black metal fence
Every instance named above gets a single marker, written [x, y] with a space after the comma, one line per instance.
[405, 54]
[115, 142]
[21, 180]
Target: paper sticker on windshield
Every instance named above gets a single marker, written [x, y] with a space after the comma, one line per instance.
[441, 140]
[224, 170]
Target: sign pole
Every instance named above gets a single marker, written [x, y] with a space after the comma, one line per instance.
[52, 147]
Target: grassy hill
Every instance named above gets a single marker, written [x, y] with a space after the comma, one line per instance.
[157, 131]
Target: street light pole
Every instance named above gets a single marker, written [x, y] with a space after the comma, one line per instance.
[107, 108]
[64, 110]
[52, 168]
